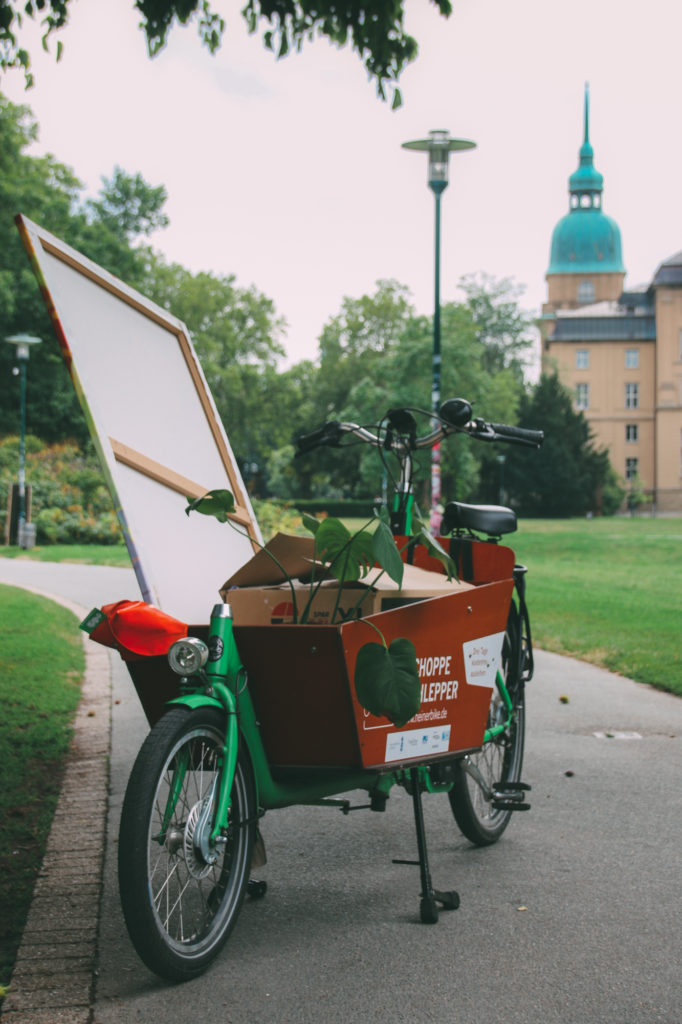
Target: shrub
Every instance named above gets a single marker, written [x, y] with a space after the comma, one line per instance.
[70, 503]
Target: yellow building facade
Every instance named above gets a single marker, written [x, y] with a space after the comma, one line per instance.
[619, 351]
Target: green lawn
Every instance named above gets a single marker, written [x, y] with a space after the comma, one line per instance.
[85, 554]
[608, 591]
[41, 667]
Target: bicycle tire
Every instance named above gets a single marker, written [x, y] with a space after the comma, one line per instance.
[499, 760]
[180, 910]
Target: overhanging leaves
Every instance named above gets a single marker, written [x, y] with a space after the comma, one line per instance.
[387, 681]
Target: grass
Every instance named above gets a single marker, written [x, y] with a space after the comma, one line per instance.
[608, 591]
[82, 554]
[41, 667]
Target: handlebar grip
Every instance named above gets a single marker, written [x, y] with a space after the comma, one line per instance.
[327, 434]
[529, 437]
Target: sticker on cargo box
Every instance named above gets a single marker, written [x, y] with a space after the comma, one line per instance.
[417, 743]
[482, 659]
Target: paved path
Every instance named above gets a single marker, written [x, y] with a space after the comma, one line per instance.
[572, 917]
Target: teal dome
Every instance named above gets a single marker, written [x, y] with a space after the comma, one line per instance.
[586, 241]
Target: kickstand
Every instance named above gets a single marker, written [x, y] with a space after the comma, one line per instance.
[430, 897]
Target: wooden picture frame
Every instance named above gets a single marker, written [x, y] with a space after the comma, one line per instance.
[154, 424]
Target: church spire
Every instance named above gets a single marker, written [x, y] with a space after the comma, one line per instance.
[586, 241]
[586, 184]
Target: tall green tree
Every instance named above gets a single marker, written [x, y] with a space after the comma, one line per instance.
[375, 31]
[376, 354]
[566, 476]
[108, 229]
[237, 334]
[506, 330]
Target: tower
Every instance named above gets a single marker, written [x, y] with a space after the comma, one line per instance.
[586, 262]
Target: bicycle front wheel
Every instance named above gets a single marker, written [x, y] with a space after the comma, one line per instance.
[500, 759]
[180, 897]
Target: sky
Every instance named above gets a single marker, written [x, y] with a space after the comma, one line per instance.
[290, 174]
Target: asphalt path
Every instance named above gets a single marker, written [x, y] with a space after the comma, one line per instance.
[574, 916]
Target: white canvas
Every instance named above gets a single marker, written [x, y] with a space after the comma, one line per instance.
[154, 424]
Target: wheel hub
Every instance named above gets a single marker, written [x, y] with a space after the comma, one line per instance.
[198, 856]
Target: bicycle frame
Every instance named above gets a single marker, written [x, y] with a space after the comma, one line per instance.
[280, 740]
[222, 687]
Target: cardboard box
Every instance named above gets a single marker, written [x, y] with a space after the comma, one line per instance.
[260, 596]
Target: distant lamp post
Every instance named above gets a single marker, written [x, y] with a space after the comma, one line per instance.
[439, 145]
[23, 343]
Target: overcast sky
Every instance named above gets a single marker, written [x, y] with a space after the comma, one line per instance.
[291, 175]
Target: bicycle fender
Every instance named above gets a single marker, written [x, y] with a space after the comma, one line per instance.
[197, 700]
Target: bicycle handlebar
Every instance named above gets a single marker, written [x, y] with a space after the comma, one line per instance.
[454, 417]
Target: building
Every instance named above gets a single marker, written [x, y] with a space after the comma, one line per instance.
[618, 350]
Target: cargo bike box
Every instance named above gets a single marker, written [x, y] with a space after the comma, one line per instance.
[301, 676]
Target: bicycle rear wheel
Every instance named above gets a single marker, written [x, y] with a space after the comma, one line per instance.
[180, 903]
[500, 760]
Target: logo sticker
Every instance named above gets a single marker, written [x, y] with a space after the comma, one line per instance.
[215, 648]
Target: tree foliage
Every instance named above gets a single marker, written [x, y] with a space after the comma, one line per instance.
[108, 230]
[374, 354]
[567, 475]
[374, 30]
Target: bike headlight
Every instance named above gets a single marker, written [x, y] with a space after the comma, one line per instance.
[187, 656]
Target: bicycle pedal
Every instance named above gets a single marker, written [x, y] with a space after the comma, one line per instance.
[509, 805]
[508, 796]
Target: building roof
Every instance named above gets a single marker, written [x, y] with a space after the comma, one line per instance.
[625, 320]
[586, 241]
[669, 273]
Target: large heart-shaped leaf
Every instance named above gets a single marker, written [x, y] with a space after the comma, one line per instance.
[350, 555]
[219, 503]
[387, 681]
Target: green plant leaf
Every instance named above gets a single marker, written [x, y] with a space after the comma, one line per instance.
[218, 503]
[425, 537]
[387, 681]
[310, 522]
[350, 555]
[383, 514]
[386, 553]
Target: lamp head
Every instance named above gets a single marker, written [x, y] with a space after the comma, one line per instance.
[439, 145]
[23, 343]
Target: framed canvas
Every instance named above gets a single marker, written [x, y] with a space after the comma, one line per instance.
[154, 424]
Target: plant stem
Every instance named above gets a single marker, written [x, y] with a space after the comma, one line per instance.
[277, 562]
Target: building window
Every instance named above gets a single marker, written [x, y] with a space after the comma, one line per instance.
[582, 359]
[585, 291]
[631, 358]
[631, 468]
[632, 396]
[632, 432]
[582, 396]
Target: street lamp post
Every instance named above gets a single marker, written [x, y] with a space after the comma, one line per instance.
[23, 344]
[439, 145]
